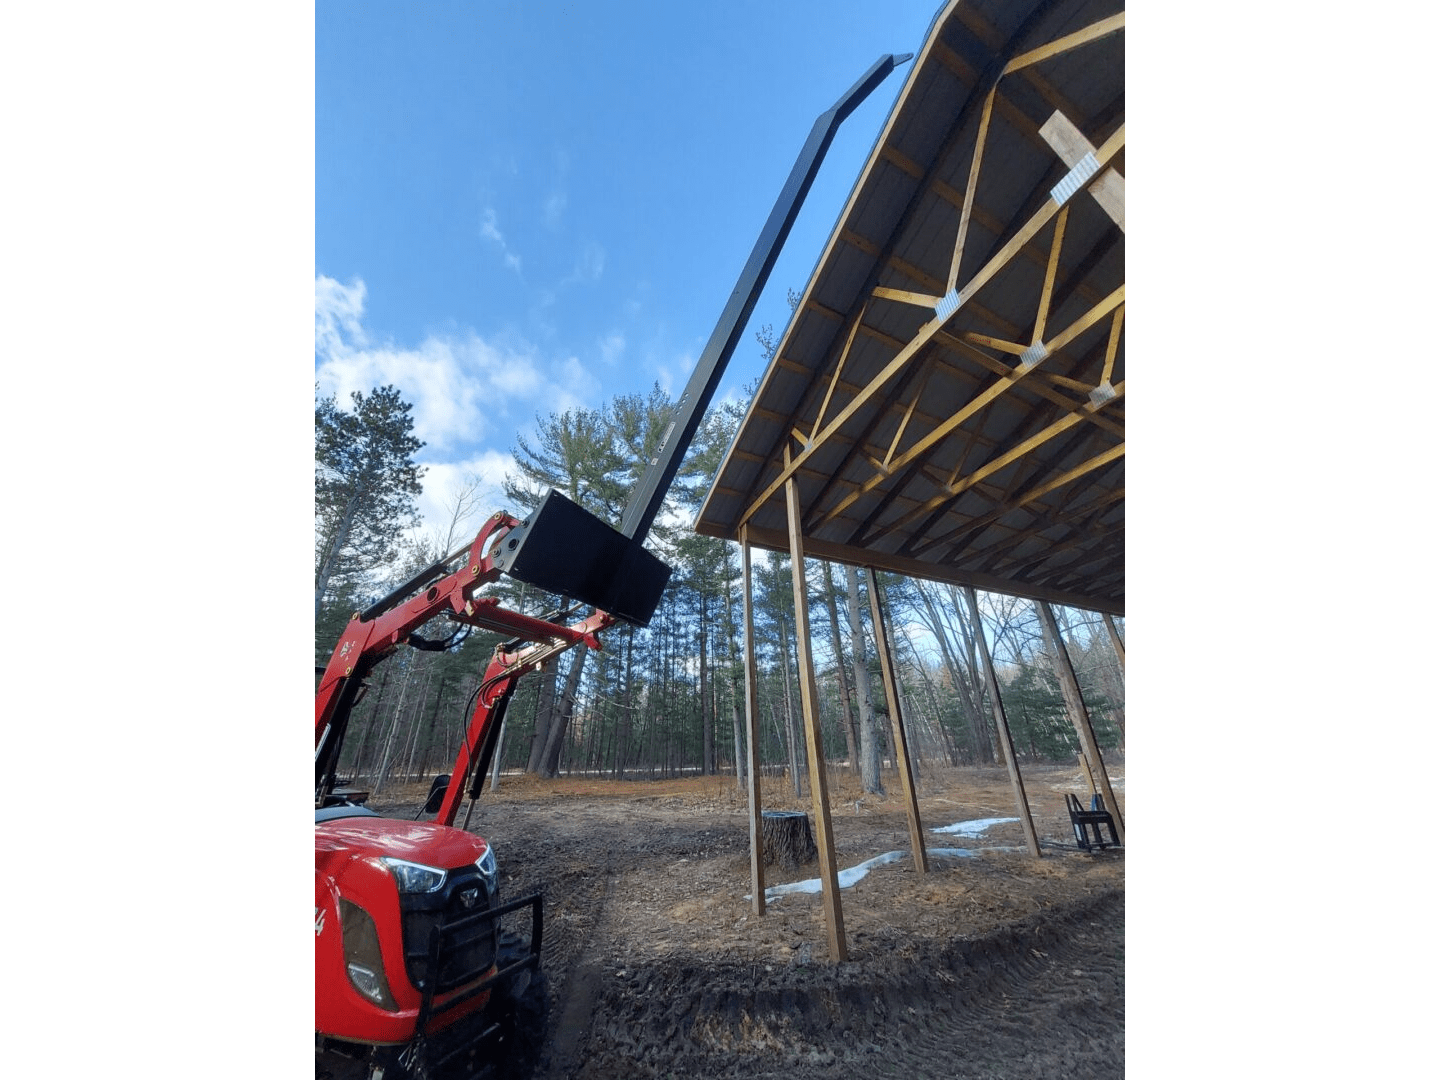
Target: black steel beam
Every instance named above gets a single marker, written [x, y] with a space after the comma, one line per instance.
[646, 499]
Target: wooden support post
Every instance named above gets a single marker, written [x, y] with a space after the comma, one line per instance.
[1002, 725]
[752, 734]
[1115, 642]
[897, 725]
[1075, 706]
[809, 705]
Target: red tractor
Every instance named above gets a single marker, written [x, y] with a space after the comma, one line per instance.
[412, 977]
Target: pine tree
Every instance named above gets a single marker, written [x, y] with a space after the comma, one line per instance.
[366, 481]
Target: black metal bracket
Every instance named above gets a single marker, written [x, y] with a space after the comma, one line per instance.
[1087, 824]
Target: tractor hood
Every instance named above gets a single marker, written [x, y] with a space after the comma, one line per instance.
[415, 841]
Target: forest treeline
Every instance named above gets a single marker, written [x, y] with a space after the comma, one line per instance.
[669, 699]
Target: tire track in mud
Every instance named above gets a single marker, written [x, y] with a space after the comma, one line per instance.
[1038, 998]
[575, 993]
[1033, 1000]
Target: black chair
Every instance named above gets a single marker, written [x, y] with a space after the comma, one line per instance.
[1086, 824]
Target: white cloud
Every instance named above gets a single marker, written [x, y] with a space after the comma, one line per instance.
[589, 266]
[558, 199]
[575, 388]
[612, 347]
[470, 396]
[463, 388]
[673, 376]
[445, 481]
[337, 315]
[554, 209]
[490, 229]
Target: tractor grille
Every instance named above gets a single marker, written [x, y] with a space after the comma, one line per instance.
[466, 953]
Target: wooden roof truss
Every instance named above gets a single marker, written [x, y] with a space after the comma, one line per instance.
[965, 421]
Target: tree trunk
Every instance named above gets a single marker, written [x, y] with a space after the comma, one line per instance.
[550, 767]
[364, 746]
[869, 744]
[332, 554]
[736, 724]
[946, 740]
[624, 728]
[733, 667]
[430, 730]
[788, 839]
[957, 679]
[847, 713]
[544, 717]
[986, 734]
[387, 758]
[792, 742]
[416, 724]
[707, 714]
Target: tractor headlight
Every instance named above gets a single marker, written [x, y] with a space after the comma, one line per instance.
[413, 877]
[486, 865]
[370, 983]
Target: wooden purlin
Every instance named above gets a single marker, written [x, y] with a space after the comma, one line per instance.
[1075, 523]
[819, 548]
[922, 338]
[939, 504]
[1093, 32]
[1041, 467]
[1037, 386]
[865, 536]
[1099, 559]
[956, 537]
[839, 367]
[1097, 572]
[977, 404]
[954, 488]
[862, 536]
[856, 447]
[988, 36]
[1086, 441]
[968, 205]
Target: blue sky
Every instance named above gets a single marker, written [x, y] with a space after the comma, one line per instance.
[521, 208]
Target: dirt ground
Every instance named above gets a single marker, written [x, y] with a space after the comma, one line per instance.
[996, 965]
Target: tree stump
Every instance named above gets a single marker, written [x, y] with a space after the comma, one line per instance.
[787, 838]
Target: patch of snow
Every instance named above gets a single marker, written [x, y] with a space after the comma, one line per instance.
[846, 878]
[849, 877]
[973, 828]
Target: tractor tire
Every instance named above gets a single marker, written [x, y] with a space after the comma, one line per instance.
[520, 1006]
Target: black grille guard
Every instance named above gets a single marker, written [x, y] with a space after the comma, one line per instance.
[444, 936]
